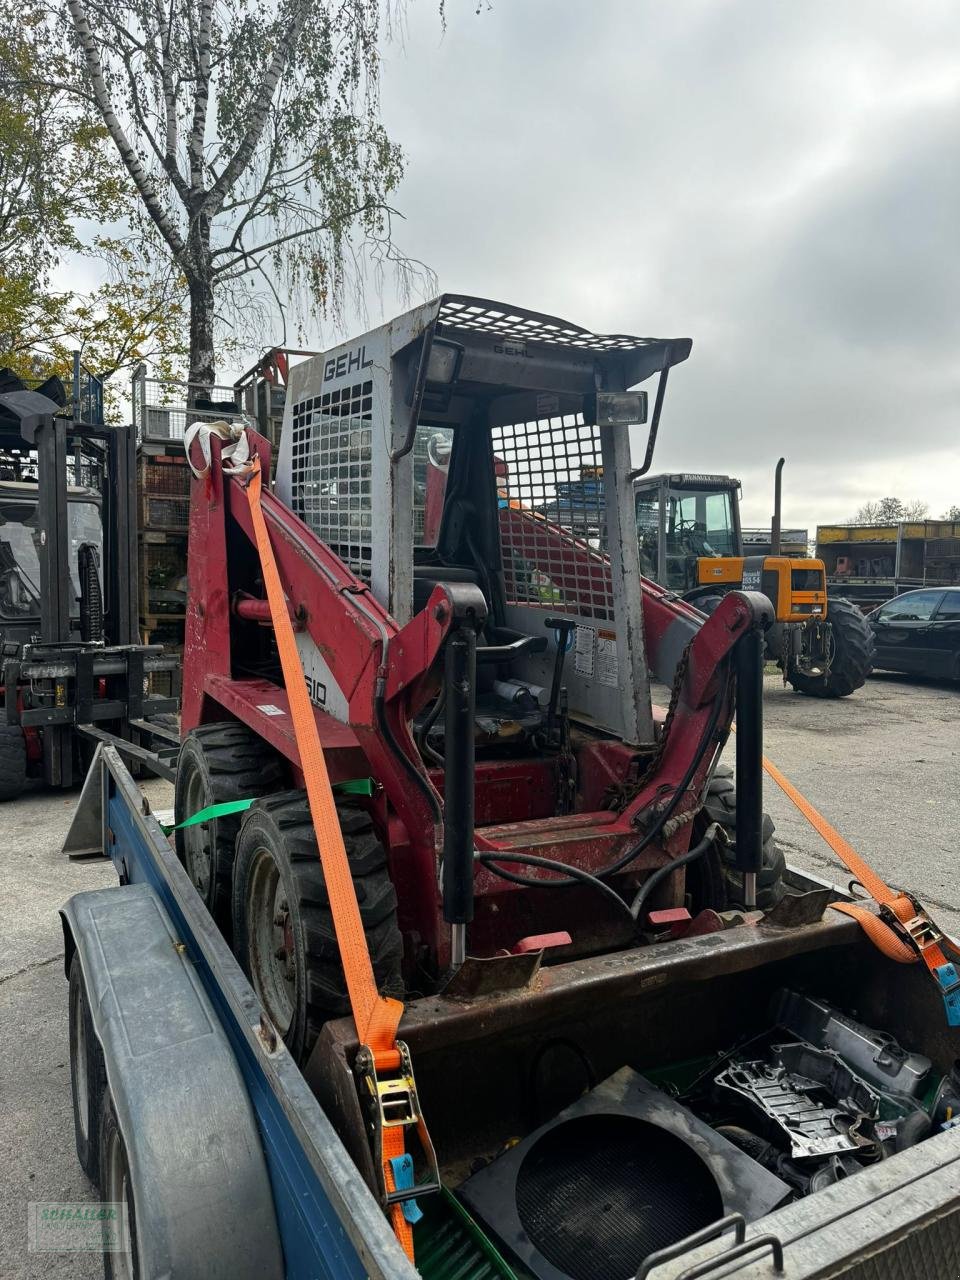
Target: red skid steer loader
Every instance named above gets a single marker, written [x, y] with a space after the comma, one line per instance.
[545, 869]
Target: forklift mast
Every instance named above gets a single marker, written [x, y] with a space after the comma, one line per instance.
[74, 671]
[51, 460]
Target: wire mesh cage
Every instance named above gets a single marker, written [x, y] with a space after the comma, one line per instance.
[332, 471]
[164, 407]
[549, 476]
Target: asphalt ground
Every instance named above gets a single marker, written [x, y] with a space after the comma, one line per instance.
[883, 767]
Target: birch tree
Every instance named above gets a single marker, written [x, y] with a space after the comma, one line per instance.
[60, 183]
[252, 137]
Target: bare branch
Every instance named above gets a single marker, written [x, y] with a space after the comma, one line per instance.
[288, 28]
[141, 178]
[201, 94]
[252, 255]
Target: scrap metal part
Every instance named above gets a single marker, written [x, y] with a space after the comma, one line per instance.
[874, 1055]
[790, 1104]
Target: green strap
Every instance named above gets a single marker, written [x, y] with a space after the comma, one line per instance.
[353, 787]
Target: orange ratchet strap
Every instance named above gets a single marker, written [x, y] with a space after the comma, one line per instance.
[903, 931]
[383, 1062]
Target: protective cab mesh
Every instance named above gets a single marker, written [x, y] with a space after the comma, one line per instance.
[552, 524]
[332, 471]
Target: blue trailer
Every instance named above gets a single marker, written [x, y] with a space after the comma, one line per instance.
[190, 1111]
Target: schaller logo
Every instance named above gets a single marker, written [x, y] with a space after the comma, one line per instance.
[345, 364]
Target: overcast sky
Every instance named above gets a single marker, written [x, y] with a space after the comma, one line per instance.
[779, 181]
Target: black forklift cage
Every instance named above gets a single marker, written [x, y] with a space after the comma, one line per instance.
[73, 671]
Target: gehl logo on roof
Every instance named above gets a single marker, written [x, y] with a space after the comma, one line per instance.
[349, 363]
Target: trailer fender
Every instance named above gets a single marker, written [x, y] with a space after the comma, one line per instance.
[202, 1196]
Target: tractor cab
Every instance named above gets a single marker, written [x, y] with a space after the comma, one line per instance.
[683, 519]
[440, 451]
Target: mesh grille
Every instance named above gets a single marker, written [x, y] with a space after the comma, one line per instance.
[597, 1194]
[331, 471]
[520, 325]
[550, 485]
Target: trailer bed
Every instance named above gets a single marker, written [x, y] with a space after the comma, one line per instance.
[646, 1008]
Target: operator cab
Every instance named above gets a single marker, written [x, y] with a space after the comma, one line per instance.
[501, 426]
[682, 518]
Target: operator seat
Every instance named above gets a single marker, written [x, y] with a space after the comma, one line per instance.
[493, 710]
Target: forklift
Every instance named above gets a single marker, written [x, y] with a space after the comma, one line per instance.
[74, 670]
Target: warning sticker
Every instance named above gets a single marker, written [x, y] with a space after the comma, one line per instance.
[608, 668]
[584, 651]
[269, 709]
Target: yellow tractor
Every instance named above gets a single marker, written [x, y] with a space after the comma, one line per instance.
[691, 541]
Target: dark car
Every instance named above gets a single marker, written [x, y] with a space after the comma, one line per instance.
[919, 632]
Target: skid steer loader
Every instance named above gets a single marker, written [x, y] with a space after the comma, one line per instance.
[537, 870]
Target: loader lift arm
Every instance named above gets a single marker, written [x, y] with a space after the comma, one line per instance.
[388, 673]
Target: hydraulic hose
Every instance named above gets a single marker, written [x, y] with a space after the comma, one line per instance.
[576, 876]
[439, 703]
[661, 873]
[662, 818]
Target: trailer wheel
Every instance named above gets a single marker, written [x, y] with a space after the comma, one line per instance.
[713, 880]
[282, 926]
[13, 761]
[117, 1188]
[853, 651]
[88, 1076]
[218, 762]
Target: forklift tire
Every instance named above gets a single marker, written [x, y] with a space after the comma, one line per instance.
[13, 761]
[218, 762]
[88, 1075]
[713, 881]
[283, 929]
[853, 650]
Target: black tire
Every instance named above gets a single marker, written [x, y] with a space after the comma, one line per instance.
[713, 881]
[88, 1075]
[117, 1187]
[282, 925]
[13, 761]
[853, 652]
[219, 762]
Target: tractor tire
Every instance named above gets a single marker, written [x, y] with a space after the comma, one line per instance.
[713, 881]
[13, 761]
[853, 650]
[283, 928]
[219, 762]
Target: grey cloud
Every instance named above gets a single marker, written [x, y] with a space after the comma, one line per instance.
[778, 181]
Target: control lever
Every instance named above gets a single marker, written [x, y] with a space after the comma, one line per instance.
[487, 653]
[564, 626]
